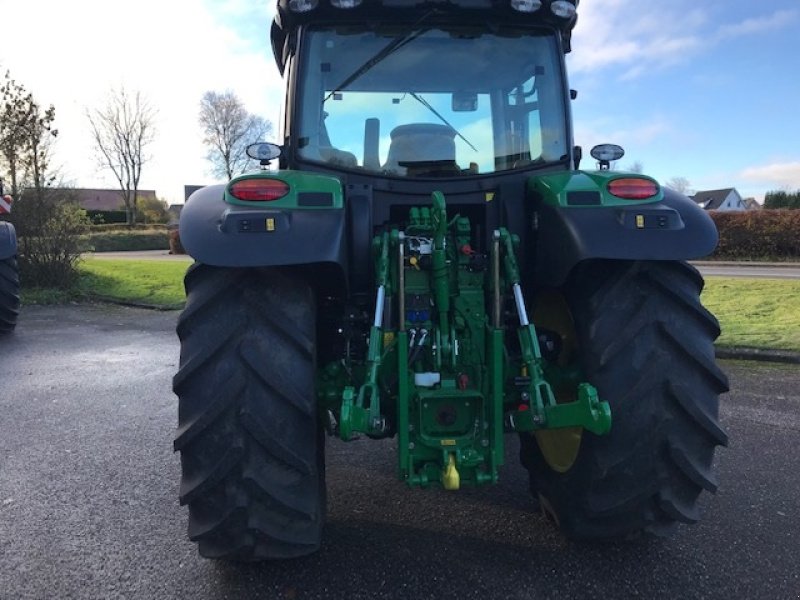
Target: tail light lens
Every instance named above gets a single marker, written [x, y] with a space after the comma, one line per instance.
[259, 190]
[633, 188]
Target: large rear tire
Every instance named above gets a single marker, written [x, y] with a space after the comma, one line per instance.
[252, 450]
[9, 294]
[645, 341]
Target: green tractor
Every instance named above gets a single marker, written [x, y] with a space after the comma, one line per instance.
[421, 258]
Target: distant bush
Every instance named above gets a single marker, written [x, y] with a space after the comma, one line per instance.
[48, 225]
[782, 199]
[758, 234]
[106, 227]
[99, 217]
[126, 241]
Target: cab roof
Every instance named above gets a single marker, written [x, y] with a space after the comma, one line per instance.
[405, 13]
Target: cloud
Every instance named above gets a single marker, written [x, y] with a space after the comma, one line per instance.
[172, 52]
[634, 136]
[639, 39]
[779, 175]
[776, 20]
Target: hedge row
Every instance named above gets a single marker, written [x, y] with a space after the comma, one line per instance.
[743, 235]
[104, 227]
[758, 234]
[125, 241]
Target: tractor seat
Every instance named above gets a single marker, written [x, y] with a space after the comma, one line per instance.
[419, 148]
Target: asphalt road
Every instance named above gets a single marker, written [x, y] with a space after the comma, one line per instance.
[89, 486]
[751, 270]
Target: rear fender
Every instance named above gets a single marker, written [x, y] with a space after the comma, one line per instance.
[668, 226]
[306, 229]
[8, 240]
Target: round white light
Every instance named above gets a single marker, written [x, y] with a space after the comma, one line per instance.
[563, 9]
[301, 6]
[607, 152]
[345, 3]
[526, 6]
[263, 151]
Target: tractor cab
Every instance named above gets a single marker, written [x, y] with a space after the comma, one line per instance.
[399, 90]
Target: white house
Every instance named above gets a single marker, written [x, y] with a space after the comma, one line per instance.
[727, 199]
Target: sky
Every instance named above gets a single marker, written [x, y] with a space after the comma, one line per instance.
[707, 91]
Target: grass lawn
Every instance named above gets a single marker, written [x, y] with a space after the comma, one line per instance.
[156, 282]
[756, 313]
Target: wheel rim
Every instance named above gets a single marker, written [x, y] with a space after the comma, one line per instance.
[559, 447]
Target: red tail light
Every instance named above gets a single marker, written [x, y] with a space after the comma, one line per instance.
[633, 188]
[259, 189]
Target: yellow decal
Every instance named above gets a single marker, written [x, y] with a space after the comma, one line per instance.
[640, 221]
[270, 224]
[388, 338]
[489, 196]
[448, 442]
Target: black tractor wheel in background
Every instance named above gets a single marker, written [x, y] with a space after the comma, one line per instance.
[9, 294]
[252, 451]
[645, 341]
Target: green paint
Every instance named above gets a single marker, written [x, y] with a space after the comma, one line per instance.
[299, 182]
[447, 379]
[554, 187]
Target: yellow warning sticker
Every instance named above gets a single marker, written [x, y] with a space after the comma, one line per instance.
[448, 442]
[640, 221]
[489, 196]
[270, 224]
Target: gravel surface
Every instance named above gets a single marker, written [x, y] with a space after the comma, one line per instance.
[89, 486]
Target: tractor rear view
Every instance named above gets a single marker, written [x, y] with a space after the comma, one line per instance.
[427, 262]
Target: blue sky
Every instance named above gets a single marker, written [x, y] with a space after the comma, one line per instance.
[707, 91]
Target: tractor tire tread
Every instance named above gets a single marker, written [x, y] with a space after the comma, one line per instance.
[9, 294]
[647, 345]
[252, 456]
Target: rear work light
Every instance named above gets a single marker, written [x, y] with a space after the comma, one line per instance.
[564, 8]
[259, 189]
[526, 6]
[633, 188]
[301, 6]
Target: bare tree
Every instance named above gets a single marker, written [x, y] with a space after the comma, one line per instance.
[26, 137]
[228, 129]
[636, 167]
[122, 130]
[680, 184]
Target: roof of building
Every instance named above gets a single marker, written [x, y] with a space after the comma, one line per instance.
[712, 199]
[751, 204]
[104, 199]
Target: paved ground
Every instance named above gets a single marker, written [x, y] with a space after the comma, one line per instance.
[88, 496]
[750, 270]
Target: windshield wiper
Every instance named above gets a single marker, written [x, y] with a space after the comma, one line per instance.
[427, 105]
[382, 55]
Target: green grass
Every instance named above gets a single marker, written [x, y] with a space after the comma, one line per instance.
[755, 313]
[154, 282]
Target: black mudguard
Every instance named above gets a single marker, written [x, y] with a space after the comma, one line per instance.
[8, 240]
[223, 235]
[672, 229]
